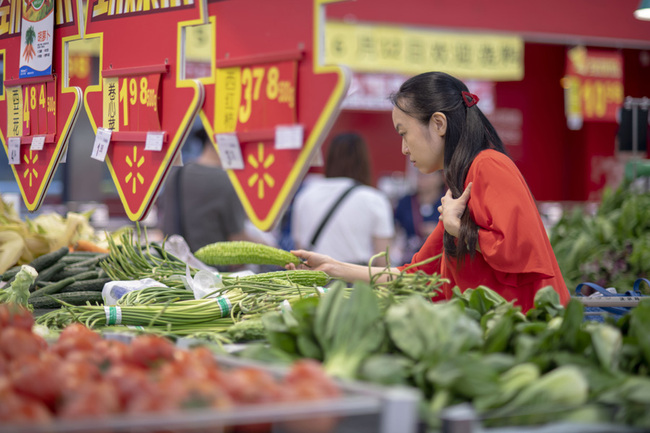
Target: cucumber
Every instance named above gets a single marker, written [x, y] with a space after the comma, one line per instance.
[59, 285]
[68, 272]
[74, 298]
[48, 274]
[88, 262]
[94, 285]
[10, 273]
[46, 260]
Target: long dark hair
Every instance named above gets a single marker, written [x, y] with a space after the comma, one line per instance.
[468, 133]
[348, 156]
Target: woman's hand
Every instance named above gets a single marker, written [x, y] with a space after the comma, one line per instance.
[312, 261]
[345, 271]
[452, 209]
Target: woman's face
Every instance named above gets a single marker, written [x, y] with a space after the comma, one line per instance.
[423, 144]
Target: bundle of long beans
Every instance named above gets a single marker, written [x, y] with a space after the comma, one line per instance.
[176, 310]
[133, 261]
[172, 314]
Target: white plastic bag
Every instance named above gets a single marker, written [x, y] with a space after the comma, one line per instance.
[205, 284]
[114, 290]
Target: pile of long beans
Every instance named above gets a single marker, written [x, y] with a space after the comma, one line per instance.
[132, 260]
[176, 311]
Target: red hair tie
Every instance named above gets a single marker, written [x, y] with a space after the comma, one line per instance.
[469, 98]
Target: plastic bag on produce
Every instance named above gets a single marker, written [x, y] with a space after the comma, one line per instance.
[204, 284]
[178, 247]
[114, 290]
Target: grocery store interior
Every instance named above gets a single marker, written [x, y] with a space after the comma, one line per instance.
[566, 85]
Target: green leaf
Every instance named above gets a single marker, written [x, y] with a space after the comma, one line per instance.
[386, 369]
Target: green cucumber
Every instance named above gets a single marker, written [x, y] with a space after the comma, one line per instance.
[94, 285]
[48, 274]
[73, 298]
[68, 272]
[10, 273]
[46, 260]
[89, 262]
[59, 285]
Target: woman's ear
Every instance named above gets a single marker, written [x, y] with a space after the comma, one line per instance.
[438, 124]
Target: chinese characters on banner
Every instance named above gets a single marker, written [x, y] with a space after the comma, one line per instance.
[379, 48]
[593, 84]
[36, 38]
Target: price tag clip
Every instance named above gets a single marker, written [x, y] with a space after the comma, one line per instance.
[100, 147]
[14, 150]
[230, 151]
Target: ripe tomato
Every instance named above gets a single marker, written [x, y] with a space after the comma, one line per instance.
[128, 381]
[38, 379]
[153, 398]
[76, 337]
[112, 352]
[19, 409]
[252, 385]
[309, 373]
[75, 373]
[150, 350]
[15, 315]
[90, 400]
[18, 342]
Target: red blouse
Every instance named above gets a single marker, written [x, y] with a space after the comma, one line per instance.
[515, 258]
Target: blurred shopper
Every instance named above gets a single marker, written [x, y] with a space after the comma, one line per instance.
[416, 214]
[200, 203]
[490, 232]
[341, 215]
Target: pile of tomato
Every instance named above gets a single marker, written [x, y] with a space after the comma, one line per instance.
[83, 375]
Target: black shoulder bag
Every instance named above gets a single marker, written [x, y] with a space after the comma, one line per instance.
[331, 212]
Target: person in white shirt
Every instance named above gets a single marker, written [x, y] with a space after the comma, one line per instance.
[360, 224]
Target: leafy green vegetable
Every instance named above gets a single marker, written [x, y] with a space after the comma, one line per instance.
[422, 329]
[611, 247]
[386, 369]
[18, 291]
[348, 329]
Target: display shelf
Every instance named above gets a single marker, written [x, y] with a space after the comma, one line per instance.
[362, 408]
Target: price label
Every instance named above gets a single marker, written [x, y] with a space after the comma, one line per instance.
[37, 142]
[100, 147]
[289, 136]
[230, 151]
[154, 140]
[14, 150]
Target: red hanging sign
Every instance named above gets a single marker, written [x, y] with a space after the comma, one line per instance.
[38, 111]
[142, 91]
[268, 75]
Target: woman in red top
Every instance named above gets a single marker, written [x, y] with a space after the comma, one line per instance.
[490, 232]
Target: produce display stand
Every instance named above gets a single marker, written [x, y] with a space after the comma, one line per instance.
[362, 408]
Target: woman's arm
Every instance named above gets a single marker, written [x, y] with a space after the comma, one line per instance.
[336, 269]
